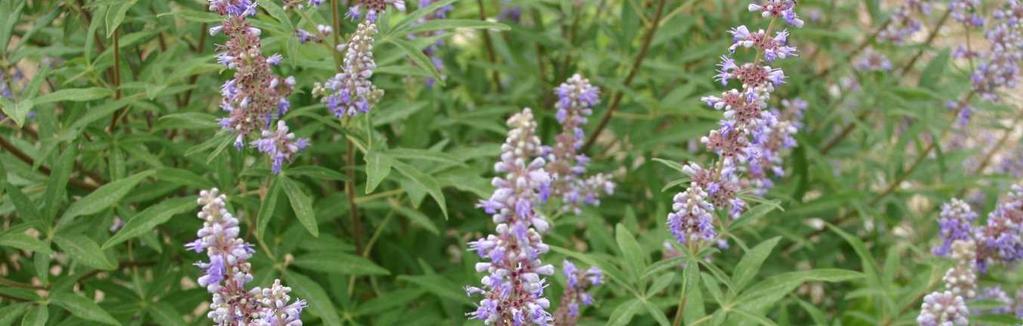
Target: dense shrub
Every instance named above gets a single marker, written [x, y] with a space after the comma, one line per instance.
[639, 162]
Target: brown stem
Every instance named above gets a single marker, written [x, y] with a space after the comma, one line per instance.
[930, 39]
[998, 145]
[491, 56]
[10, 148]
[859, 48]
[16, 284]
[636, 63]
[899, 178]
[336, 22]
[844, 133]
[353, 209]
[902, 73]
[117, 81]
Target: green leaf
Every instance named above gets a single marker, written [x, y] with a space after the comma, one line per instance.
[268, 205]
[416, 217]
[315, 172]
[378, 166]
[446, 24]
[934, 70]
[635, 260]
[56, 186]
[11, 312]
[623, 314]
[82, 249]
[24, 242]
[425, 181]
[151, 217]
[388, 301]
[183, 177]
[754, 317]
[870, 266]
[422, 154]
[401, 27]
[115, 15]
[187, 120]
[38, 316]
[83, 308]
[772, 289]
[319, 303]
[27, 210]
[438, 286]
[10, 11]
[750, 263]
[301, 204]
[421, 60]
[694, 306]
[164, 314]
[339, 263]
[104, 197]
[17, 111]
[671, 164]
[74, 95]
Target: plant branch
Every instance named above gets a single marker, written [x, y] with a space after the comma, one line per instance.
[637, 62]
[10, 148]
[491, 56]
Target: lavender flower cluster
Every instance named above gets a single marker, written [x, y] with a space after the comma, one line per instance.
[903, 23]
[254, 97]
[576, 295]
[999, 241]
[872, 60]
[5, 90]
[974, 249]
[530, 174]
[228, 270]
[372, 8]
[749, 137]
[776, 135]
[999, 66]
[948, 307]
[567, 165]
[966, 12]
[351, 92]
[513, 287]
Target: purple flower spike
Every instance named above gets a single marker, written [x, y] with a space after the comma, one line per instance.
[567, 166]
[575, 295]
[513, 286]
[280, 145]
[228, 271]
[351, 92]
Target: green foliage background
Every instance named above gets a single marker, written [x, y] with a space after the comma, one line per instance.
[124, 99]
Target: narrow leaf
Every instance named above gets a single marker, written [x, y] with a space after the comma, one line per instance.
[319, 303]
[83, 308]
[301, 204]
[104, 197]
[151, 217]
[339, 263]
